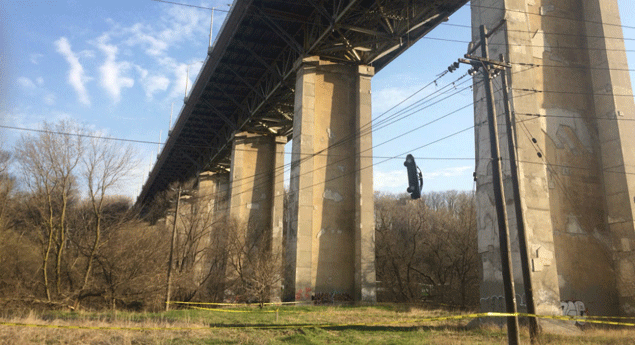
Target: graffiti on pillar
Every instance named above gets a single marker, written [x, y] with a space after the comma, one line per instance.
[303, 294]
[493, 303]
[574, 309]
[497, 302]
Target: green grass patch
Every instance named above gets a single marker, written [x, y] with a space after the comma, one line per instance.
[382, 324]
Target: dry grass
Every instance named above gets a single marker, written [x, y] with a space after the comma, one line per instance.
[368, 325]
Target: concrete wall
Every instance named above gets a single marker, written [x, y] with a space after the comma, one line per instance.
[330, 245]
[572, 152]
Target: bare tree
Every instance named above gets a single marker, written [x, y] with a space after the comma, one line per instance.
[49, 163]
[426, 249]
[254, 264]
[106, 165]
[129, 268]
[7, 183]
[198, 251]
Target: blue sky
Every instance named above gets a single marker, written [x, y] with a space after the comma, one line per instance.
[119, 66]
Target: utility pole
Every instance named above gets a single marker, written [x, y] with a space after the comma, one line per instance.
[520, 218]
[499, 196]
[489, 67]
[169, 278]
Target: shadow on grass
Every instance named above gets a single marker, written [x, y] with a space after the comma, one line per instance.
[359, 328]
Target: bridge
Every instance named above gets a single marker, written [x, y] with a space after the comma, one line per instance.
[244, 99]
[247, 81]
[301, 70]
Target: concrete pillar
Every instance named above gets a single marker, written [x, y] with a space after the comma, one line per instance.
[212, 198]
[613, 101]
[330, 239]
[257, 191]
[575, 195]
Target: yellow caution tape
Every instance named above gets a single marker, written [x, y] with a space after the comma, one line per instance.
[104, 327]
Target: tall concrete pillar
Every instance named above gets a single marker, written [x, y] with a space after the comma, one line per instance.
[613, 103]
[212, 195]
[257, 191]
[330, 239]
[572, 151]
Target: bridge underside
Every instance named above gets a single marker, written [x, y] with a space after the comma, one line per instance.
[300, 70]
[247, 83]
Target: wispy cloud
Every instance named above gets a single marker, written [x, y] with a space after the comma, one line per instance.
[49, 99]
[76, 76]
[155, 83]
[390, 180]
[26, 83]
[112, 71]
[396, 179]
[447, 172]
[35, 58]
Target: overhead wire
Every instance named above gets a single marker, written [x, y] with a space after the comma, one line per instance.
[286, 167]
[277, 174]
[194, 6]
[255, 176]
[147, 142]
[553, 16]
[549, 33]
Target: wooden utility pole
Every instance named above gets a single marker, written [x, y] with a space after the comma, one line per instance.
[168, 288]
[520, 218]
[499, 196]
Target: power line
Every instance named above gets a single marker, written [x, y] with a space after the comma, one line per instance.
[530, 45]
[92, 136]
[572, 66]
[550, 33]
[188, 5]
[572, 92]
[553, 16]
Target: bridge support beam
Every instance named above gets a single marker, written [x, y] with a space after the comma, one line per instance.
[330, 237]
[257, 197]
[574, 112]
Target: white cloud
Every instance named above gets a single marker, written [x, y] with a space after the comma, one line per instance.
[112, 71]
[447, 172]
[76, 76]
[390, 180]
[142, 35]
[181, 74]
[39, 81]
[396, 181]
[154, 84]
[26, 83]
[159, 40]
[49, 99]
[386, 98]
[35, 58]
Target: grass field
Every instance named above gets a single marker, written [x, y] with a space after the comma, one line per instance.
[273, 325]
